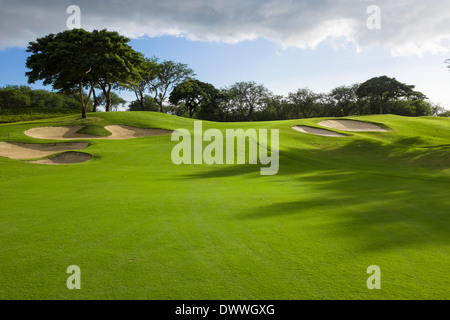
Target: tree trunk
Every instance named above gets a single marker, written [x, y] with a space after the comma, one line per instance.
[108, 98]
[160, 105]
[84, 104]
[250, 114]
[141, 101]
[107, 94]
[94, 108]
[161, 99]
[83, 108]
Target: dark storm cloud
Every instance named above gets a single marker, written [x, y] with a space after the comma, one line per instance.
[407, 27]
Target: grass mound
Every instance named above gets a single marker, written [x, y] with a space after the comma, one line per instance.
[30, 114]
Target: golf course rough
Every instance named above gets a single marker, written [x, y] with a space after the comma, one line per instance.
[140, 227]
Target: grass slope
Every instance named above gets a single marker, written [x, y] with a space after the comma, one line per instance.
[28, 114]
[140, 227]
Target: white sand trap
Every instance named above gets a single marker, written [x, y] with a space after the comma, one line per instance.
[65, 158]
[70, 133]
[317, 131]
[57, 133]
[127, 132]
[351, 125]
[15, 150]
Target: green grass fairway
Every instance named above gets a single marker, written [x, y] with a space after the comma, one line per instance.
[141, 227]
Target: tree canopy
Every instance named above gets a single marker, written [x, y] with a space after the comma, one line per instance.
[383, 89]
[168, 75]
[193, 94]
[76, 59]
[148, 74]
[303, 102]
[246, 97]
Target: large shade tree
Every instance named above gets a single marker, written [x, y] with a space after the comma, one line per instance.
[345, 100]
[168, 75]
[193, 94]
[148, 74]
[247, 98]
[382, 90]
[75, 59]
[303, 102]
[116, 62]
[62, 60]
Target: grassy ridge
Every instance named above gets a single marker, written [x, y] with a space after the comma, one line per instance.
[140, 227]
[29, 114]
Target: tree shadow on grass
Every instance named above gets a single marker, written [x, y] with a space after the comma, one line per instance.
[361, 155]
[365, 191]
[375, 211]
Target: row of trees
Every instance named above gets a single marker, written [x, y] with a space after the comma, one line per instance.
[248, 101]
[20, 97]
[80, 61]
[242, 101]
[24, 97]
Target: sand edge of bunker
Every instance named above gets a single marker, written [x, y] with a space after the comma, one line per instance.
[351, 125]
[317, 131]
[23, 151]
[118, 132]
[68, 157]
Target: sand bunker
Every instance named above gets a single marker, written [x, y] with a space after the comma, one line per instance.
[15, 150]
[70, 133]
[127, 132]
[351, 125]
[318, 131]
[69, 157]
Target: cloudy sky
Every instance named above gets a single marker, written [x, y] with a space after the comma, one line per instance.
[283, 44]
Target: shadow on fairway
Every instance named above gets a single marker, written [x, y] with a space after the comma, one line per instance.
[374, 211]
[401, 156]
[369, 193]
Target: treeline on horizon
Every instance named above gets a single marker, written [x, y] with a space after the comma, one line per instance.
[242, 101]
[249, 101]
[85, 68]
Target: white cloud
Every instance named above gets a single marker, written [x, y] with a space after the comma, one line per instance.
[413, 27]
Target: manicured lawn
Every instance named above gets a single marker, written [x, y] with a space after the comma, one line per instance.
[140, 227]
